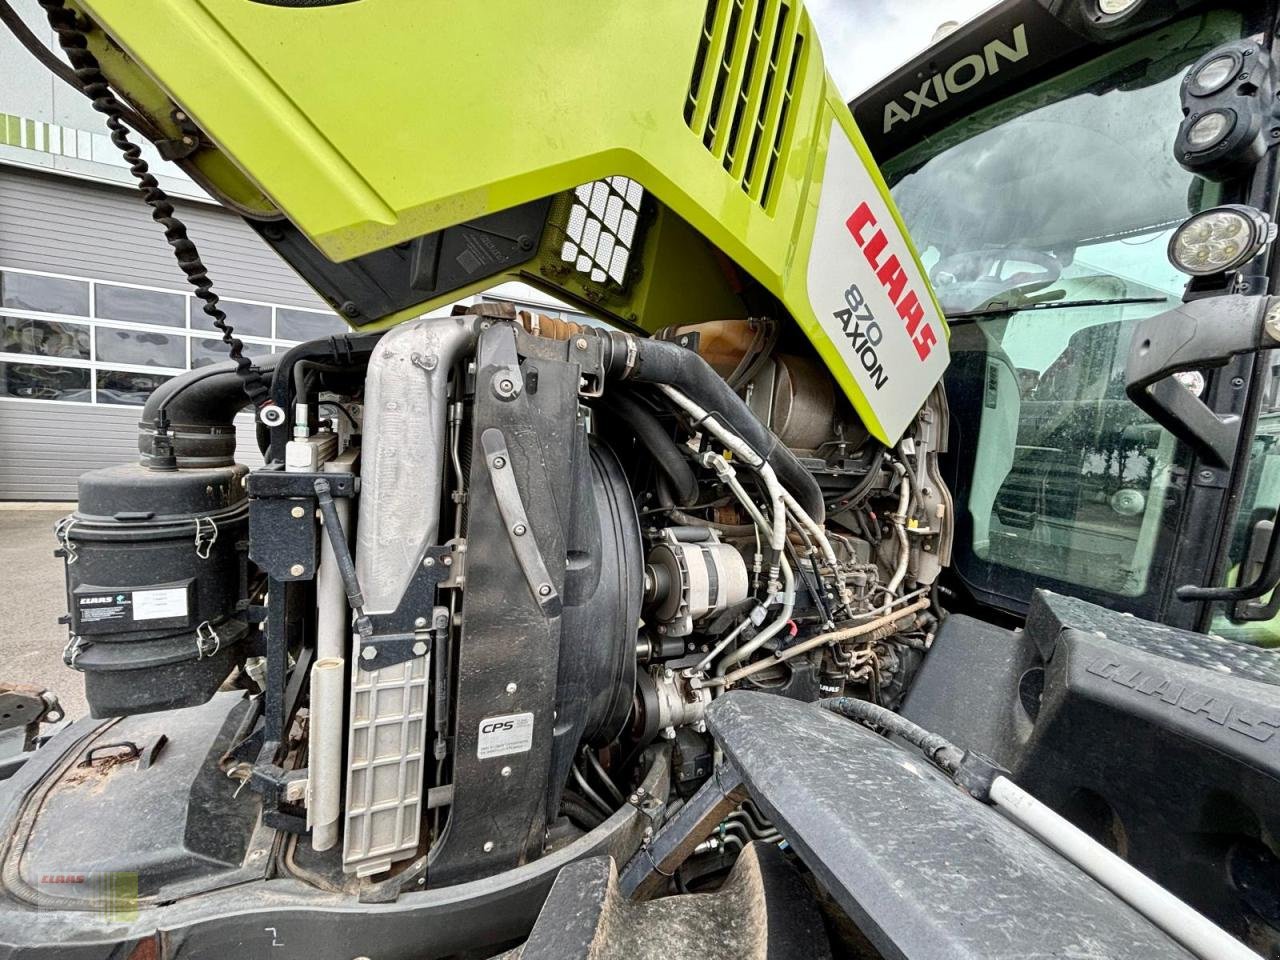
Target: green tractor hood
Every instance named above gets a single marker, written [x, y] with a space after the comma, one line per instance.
[655, 163]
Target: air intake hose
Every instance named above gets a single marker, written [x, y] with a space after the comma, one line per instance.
[646, 360]
[188, 422]
[660, 361]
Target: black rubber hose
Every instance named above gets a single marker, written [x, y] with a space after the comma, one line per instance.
[658, 361]
[349, 350]
[659, 445]
[198, 408]
[937, 749]
[581, 812]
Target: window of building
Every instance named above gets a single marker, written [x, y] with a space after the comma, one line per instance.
[209, 351]
[135, 305]
[38, 381]
[44, 338]
[306, 324]
[126, 387]
[33, 291]
[145, 348]
[247, 319]
[74, 339]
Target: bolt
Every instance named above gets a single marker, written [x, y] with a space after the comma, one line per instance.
[296, 570]
[368, 653]
[1237, 382]
[506, 386]
[499, 462]
[420, 622]
[429, 562]
[447, 561]
[581, 343]
[1206, 475]
[349, 309]
[511, 687]
[488, 846]
[506, 771]
[297, 513]
[544, 590]
[419, 648]
[519, 529]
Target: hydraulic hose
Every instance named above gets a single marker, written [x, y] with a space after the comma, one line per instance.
[940, 751]
[984, 780]
[659, 445]
[661, 362]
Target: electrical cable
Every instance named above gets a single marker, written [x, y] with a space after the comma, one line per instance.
[94, 85]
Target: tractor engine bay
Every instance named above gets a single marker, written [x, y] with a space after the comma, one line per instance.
[493, 573]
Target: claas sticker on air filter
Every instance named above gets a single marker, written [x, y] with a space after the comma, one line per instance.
[869, 294]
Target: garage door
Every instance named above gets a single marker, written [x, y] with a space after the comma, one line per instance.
[94, 313]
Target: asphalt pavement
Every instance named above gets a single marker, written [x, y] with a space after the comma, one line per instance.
[32, 598]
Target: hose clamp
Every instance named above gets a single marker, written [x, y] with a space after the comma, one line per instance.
[633, 354]
[206, 536]
[72, 650]
[207, 641]
[62, 530]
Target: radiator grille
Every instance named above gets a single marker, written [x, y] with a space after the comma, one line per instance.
[742, 88]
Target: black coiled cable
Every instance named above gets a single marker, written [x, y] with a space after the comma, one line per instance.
[71, 38]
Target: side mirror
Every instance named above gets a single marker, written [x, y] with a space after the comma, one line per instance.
[1198, 335]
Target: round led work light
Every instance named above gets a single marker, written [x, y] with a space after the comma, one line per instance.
[1210, 129]
[1113, 8]
[1220, 239]
[1215, 74]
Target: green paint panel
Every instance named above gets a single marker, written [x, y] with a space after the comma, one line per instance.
[369, 124]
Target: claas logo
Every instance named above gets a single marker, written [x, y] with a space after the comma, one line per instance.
[873, 242]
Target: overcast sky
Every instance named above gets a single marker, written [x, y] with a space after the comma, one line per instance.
[862, 40]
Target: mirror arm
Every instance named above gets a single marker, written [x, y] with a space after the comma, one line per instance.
[1198, 335]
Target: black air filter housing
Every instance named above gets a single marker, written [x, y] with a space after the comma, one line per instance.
[156, 585]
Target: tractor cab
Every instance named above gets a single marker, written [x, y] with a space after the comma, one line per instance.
[1077, 176]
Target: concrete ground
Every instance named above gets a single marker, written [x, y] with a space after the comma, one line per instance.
[32, 598]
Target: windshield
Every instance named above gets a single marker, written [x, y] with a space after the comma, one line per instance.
[1044, 223]
[1034, 199]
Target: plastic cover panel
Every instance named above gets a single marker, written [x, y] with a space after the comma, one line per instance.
[384, 767]
[924, 870]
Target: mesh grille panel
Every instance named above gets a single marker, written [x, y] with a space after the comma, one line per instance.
[602, 228]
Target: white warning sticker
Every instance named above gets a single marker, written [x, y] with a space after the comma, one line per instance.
[499, 736]
[160, 604]
[868, 294]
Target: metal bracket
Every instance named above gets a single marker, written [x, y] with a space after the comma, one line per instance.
[497, 460]
[406, 632]
[271, 483]
[180, 148]
[1192, 336]
[585, 349]
[657, 860]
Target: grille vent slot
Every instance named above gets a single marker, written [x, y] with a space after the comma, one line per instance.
[742, 88]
